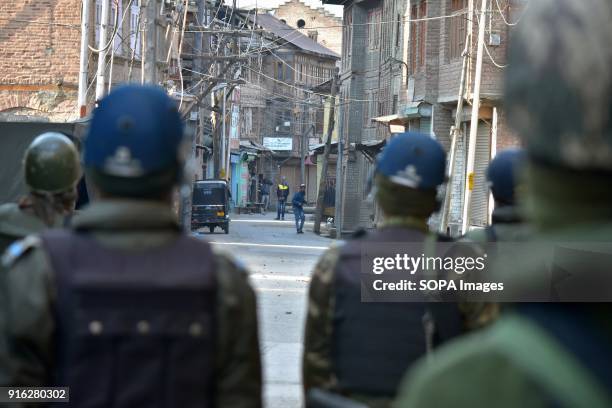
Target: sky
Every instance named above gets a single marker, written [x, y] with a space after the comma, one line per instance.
[335, 10]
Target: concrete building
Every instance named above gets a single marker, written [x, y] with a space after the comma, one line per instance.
[316, 23]
[402, 62]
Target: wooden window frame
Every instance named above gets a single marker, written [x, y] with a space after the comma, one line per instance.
[413, 39]
[422, 33]
[457, 28]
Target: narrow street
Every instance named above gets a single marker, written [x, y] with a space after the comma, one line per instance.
[280, 262]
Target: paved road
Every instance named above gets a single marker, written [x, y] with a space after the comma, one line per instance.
[280, 262]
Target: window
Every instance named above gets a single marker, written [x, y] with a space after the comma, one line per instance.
[457, 29]
[116, 13]
[135, 35]
[413, 39]
[301, 23]
[367, 108]
[374, 106]
[98, 20]
[278, 68]
[373, 23]
[395, 99]
[398, 29]
[313, 35]
[422, 32]
[347, 40]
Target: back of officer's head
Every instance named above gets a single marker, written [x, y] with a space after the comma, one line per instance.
[134, 148]
[503, 175]
[408, 173]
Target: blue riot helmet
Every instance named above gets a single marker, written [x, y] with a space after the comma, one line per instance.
[135, 142]
[502, 174]
[413, 160]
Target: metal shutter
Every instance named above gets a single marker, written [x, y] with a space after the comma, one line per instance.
[480, 195]
[425, 126]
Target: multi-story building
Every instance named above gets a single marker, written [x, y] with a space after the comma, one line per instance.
[402, 62]
[316, 23]
[278, 108]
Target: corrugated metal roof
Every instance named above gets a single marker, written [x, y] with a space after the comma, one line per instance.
[280, 29]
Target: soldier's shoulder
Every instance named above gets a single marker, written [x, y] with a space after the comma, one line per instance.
[18, 249]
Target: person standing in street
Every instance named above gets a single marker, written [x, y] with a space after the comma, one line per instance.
[52, 170]
[282, 194]
[360, 349]
[265, 195]
[125, 308]
[298, 201]
[552, 346]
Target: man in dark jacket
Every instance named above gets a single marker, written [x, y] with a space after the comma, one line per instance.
[265, 195]
[282, 193]
[298, 201]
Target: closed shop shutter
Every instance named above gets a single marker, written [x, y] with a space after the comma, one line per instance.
[425, 126]
[480, 194]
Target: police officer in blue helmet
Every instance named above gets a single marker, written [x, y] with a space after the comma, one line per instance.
[504, 176]
[124, 308]
[348, 343]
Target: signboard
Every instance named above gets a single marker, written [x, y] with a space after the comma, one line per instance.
[278, 143]
[234, 129]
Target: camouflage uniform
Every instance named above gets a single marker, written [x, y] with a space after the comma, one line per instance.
[559, 97]
[347, 341]
[132, 226]
[317, 366]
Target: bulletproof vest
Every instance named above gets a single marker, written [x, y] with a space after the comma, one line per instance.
[373, 343]
[134, 329]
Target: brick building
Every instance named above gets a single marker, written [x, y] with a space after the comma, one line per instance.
[409, 71]
[276, 104]
[316, 23]
[40, 54]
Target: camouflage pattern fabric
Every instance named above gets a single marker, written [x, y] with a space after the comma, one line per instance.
[130, 225]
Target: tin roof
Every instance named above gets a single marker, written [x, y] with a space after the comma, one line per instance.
[293, 36]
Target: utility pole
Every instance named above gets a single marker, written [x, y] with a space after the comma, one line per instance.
[84, 61]
[223, 134]
[150, 51]
[469, 171]
[101, 79]
[330, 130]
[456, 134]
[299, 116]
[339, 202]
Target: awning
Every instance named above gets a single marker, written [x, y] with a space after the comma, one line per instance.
[415, 110]
[320, 148]
[371, 148]
[253, 147]
[396, 123]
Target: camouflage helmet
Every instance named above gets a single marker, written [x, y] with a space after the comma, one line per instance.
[559, 83]
[51, 164]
